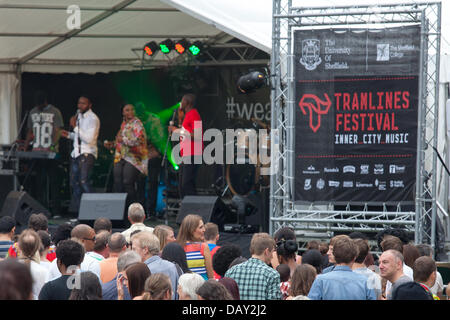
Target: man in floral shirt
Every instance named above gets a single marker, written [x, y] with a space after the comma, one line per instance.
[131, 156]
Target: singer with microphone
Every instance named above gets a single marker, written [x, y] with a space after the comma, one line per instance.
[131, 155]
[86, 126]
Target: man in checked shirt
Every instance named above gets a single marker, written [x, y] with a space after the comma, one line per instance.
[255, 279]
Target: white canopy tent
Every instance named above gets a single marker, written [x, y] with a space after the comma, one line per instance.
[34, 37]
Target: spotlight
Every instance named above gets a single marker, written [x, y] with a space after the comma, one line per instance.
[151, 48]
[195, 48]
[166, 46]
[181, 46]
[251, 81]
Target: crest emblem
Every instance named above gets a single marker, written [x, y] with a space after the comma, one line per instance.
[310, 54]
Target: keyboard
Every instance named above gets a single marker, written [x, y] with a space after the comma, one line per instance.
[30, 154]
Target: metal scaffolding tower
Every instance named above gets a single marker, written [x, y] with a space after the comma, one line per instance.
[421, 220]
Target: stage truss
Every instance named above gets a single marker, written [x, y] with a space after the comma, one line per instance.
[325, 220]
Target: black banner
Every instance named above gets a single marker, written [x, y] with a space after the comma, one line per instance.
[356, 114]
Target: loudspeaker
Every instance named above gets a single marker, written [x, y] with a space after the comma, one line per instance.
[239, 239]
[6, 185]
[107, 205]
[20, 205]
[210, 208]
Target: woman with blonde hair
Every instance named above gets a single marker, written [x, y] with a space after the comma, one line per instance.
[191, 238]
[157, 287]
[29, 244]
[165, 235]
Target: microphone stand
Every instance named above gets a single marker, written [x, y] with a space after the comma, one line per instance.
[163, 162]
[168, 139]
[14, 146]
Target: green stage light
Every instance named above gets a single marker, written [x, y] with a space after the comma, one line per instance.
[165, 116]
[151, 48]
[195, 48]
[166, 46]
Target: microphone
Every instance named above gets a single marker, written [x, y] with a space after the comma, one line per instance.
[175, 112]
[78, 125]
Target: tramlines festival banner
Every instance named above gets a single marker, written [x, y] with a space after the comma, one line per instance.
[356, 114]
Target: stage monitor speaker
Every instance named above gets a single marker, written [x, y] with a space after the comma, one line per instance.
[6, 185]
[210, 208]
[20, 205]
[98, 205]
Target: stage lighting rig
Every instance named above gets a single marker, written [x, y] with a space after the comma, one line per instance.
[252, 81]
[166, 46]
[151, 48]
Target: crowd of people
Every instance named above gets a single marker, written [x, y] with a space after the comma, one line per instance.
[141, 263]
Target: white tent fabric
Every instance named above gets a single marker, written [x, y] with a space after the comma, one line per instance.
[102, 47]
[249, 20]
[8, 121]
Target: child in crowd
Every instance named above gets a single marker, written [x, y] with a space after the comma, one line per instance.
[285, 277]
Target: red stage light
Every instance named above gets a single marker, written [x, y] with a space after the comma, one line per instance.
[151, 48]
[181, 46]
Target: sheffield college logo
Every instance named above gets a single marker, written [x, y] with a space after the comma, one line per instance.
[310, 54]
[311, 104]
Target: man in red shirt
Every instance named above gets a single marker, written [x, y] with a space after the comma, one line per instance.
[191, 143]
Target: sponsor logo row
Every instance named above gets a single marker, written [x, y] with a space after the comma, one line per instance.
[361, 169]
[378, 184]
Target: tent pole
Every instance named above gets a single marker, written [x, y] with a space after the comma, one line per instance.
[18, 72]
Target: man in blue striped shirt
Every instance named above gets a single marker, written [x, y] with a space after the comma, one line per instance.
[7, 229]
